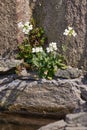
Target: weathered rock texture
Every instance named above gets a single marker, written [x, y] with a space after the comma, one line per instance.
[50, 15]
[76, 15]
[55, 16]
[11, 12]
[52, 98]
[73, 122]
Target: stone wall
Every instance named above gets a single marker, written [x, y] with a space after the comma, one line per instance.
[11, 12]
[55, 16]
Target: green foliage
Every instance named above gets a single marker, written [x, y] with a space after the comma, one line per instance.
[25, 52]
[48, 63]
[37, 37]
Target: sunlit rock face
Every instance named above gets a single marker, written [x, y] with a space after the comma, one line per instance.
[12, 12]
[55, 16]
[52, 98]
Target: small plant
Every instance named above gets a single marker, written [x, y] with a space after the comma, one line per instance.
[37, 37]
[25, 52]
[66, 47]
[34, 36]
[26, 28]
[47, 61]
[70, 32]
[25, 49]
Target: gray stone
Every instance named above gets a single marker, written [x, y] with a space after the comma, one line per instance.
[69, 73]
[41, 96]
[36, 96]
[76, 128]
[9, 65]
[84, 92]
[77, 118]
[44, 97]
[72, 122]
[54, 126]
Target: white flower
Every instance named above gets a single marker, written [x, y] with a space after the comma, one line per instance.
[70, 28]
[48, 49]
[53, 46]
[33, 50]
[66, 32]
[30, 27]
[27, 24]
[51, 49]
[25, 31]
[74, 33]
[26, 28]
[20, 25]
[40, 49]
[37, 49]
[70, 32]
[54, 43]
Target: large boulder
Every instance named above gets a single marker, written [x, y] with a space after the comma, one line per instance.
[44, 97]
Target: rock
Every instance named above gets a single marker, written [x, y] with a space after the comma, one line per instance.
[84, 93]
[77, 118]
[54, 126]
[8, 66]
[19, 93]
[72, 122]
[42, 97]
[76, 128]
[45, 97]
[69, 73]
[10, 34]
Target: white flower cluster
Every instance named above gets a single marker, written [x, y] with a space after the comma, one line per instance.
[37, 49]
[70, 32]
[26, 27]
[52, 47]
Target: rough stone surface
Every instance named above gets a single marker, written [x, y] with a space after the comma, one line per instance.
[54, 126]
[69, 73]
[8, 27]
[11, 12]
[6, 65]
[52, 98]
[55, 16]
[72, 122]
[76, 15]
[39, 96]
[51, 17]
